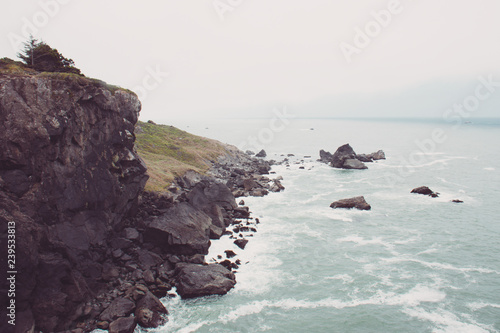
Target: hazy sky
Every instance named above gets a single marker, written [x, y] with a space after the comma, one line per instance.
[246, 57]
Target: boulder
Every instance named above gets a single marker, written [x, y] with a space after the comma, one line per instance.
[356, 202]
[241, 243]
[194, 280]
[425, 191]
[261, 153]
[123, 325]
[150, 312]
[120, 307]
[182, 229]
[209, 192]
[379, 155]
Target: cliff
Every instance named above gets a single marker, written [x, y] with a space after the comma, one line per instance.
[92, 249]
[68, 175]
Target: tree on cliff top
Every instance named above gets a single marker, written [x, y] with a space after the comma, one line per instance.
[41, 57]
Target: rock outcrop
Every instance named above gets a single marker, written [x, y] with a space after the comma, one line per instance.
[68, 176]
[425, 191]
[356, 202]
[345, 158]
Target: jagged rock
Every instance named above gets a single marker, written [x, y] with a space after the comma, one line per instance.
[120, 307]
[364, 158]
[228, 265]
[242, 203]
[325, 157]
[261, 153]
[379, 155]
[356, 202]
[343, 153]
[202, 280]
[131, 234]
[230, 253]
[352, 163]
[182, 229]
[345, 158]
[241, 243]
[123, 325]
[150, 311]
[425, 191]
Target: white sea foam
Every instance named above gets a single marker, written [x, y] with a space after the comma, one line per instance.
[444, 321]
[438, 265]
[489, 169]
[345, 278]
[474, 306]
[417, 295]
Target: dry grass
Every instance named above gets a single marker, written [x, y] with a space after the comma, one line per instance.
[169, 152]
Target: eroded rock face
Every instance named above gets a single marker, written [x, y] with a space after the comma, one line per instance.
[68, 175]
[346, 158]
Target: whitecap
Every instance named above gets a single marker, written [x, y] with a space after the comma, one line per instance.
[445, 321]
[489, 169]
[474, 306]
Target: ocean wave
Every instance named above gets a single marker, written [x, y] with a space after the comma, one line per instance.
[417, 295]
[445, 321]
[438, 265]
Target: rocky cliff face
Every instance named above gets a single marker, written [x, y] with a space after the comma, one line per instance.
[68, 175]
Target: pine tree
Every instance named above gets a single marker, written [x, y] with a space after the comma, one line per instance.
[41, 57]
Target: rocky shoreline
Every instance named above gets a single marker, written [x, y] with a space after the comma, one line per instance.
[93, 249]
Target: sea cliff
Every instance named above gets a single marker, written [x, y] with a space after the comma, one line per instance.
[93, 249]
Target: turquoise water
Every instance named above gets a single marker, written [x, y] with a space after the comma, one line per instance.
[411, 264]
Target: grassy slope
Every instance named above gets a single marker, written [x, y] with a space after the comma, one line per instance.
[169, 152]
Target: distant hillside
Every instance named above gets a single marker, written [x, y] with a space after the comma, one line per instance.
[169, 152]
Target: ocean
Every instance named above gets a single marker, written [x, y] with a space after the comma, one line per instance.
[411, 264]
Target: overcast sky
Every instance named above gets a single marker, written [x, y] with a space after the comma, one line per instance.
[246, 57]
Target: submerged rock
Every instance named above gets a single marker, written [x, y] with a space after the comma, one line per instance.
[356, 202]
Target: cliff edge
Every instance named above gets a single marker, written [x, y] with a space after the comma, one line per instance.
[68, 175]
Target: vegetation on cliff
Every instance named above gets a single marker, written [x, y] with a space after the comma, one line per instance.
[170, 152]
[39, 56]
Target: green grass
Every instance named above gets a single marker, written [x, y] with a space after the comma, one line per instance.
[169, 152]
